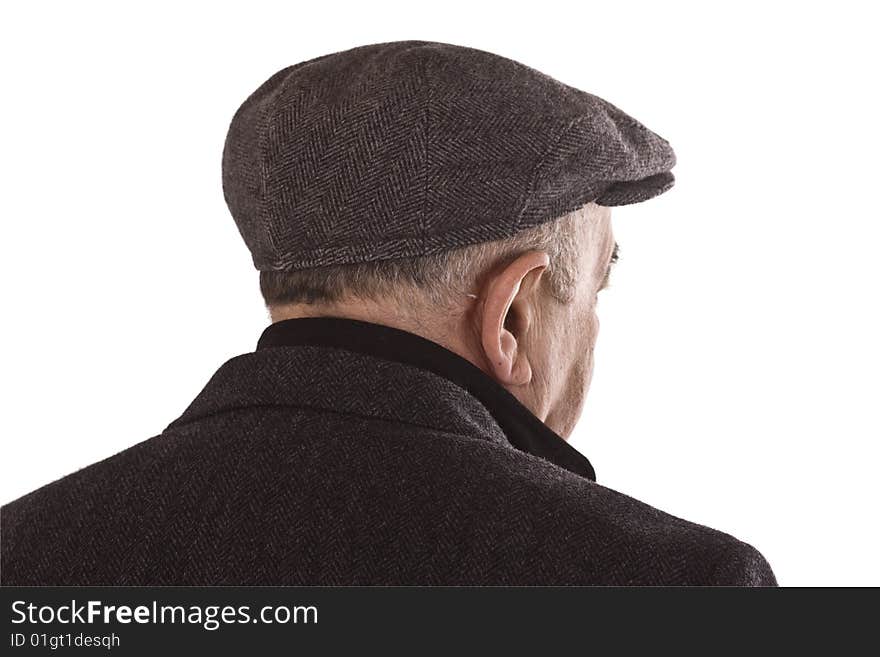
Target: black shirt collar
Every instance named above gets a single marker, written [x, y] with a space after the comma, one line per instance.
[523, 429]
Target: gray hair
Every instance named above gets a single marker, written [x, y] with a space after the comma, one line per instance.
[441, 278]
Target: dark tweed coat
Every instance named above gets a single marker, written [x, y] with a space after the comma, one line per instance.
[347, 453]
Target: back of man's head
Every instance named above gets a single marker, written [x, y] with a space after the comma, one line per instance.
[446, 191]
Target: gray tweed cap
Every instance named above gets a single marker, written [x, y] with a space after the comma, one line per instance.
[412, 148]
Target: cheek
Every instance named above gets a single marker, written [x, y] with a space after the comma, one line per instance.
[588, 343]
[582, 327]
[594, 325]
[588, 350]
[580, 345]
[590, 328]
[585, 366]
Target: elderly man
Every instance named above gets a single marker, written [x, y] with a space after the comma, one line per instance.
[432, 228]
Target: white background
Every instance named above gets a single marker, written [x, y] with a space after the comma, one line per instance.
[736, 381]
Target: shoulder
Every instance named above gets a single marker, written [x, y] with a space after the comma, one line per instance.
[594, 534]
[509, 517]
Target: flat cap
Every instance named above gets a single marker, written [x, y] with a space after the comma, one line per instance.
[412, 148]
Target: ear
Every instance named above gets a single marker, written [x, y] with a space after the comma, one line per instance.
[509, 299]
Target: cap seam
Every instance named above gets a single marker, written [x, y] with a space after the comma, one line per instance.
[418, 240]
[426, 118]
[265, 220]
[551, 149]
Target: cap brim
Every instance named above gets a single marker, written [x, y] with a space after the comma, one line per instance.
[635, 191]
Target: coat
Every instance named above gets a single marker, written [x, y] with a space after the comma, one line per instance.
[347, 453]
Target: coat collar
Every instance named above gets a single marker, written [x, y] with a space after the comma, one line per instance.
[307, 361]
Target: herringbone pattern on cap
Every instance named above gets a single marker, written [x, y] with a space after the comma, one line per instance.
[412, 148]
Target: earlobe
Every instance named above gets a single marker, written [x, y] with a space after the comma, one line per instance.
[521, 370]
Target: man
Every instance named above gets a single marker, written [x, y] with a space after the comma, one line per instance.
[432, 228]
